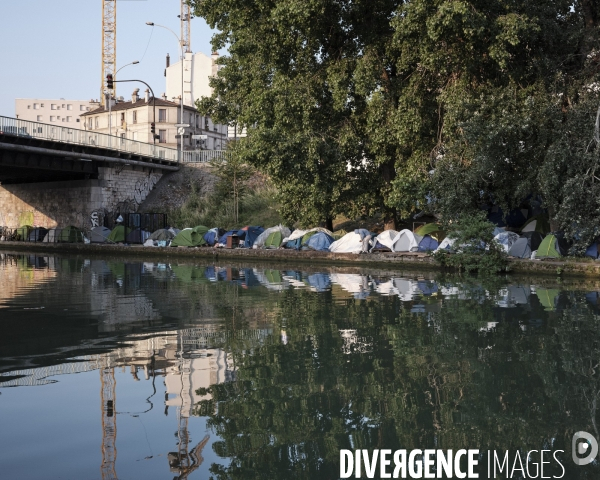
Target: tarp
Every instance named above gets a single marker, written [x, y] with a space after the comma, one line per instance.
[406, 241]
[118, 234]
[271, 237]
[162, 234]
[349, 243]
[320, 242]
[506, 239]
[428, 244]
[53, 235]
[251, 235]
[71, 234]
[37, 234]
[99, 234]
[539, 224]
[188, 237]
[432, 229]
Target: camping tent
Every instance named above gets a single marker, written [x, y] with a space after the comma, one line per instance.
[53, 235]
[432, 229]
[506, 240]
[446, 245]
[539, 224]
[37, 234]
[272, 237]
[525, 245]
[118, 234]
[320, 242]
[428, 244]
[592, 250]
[406, 241]
[212, 236]
[287, 242]
[162, 234]
[190, 237]
[385, 240]
[551, 247]
[223, 239]
[71, 234]
[23, 232]
[350, 243]
[99, 234]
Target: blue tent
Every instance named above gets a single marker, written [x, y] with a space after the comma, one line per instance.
[223, 238]
[294, 244]
[212, 236]
[592, 250]
[428, 244]
[320, 242]
[250, 236]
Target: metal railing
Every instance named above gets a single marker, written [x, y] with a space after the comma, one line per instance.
[205, 156]
[57, 133]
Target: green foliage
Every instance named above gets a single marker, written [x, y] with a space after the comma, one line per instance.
[257, 207]
[474, 249]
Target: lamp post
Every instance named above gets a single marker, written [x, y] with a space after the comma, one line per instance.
[152, 24]
[135, 62]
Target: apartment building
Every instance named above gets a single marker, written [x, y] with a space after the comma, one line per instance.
[60, 112]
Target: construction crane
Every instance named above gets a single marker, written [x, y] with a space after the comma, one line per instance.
[185, 17]
[109, 422]
[109, 45]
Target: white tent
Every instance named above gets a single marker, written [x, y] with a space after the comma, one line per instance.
[386, 238]
[406, 241]
[446, 245]
[506, 239]
[349, 243]
[262, 238]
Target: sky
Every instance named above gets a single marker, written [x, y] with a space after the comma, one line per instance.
[53, 49]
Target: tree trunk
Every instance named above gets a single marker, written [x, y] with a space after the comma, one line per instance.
[329, 224]
[388, 174]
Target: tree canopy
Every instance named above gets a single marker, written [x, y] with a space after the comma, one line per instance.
[390, 106]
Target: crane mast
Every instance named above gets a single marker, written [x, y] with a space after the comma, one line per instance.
[185, 27]
[109, 45]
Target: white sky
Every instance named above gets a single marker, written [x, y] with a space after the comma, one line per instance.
[53, 48]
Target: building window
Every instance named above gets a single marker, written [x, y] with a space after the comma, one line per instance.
[69, 107]
[36, 106]
[39, 118]
[197, 121]
[162, 136]
[90, 123]
[97, 122]
[52, 118]
[53, 107]
[69, 119]
[162, 115]
[82, 108]
[77, 120]
[134, 117]
[28, 107]
[122, 138]
[63, 106]
[134, 136]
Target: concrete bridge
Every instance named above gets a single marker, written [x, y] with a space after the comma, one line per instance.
[54, 176]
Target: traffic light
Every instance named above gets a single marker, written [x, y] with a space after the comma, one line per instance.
[109, 81]
[152, 128]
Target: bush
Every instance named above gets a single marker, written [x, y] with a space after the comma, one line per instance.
[475, 248]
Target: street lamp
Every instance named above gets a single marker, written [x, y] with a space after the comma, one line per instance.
[152, 24]
[135, 62]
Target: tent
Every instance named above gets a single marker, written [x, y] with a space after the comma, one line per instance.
[296, 234]
[338, 234]
[539, 224]
[99, 234]
[406, 241]
[190, 237]
[506, 240]
[137, 236]
[548, 297]
[431, 229]
[320, 242]
[272, 237]
[551, 247]
[350, 243]
[251, 235]
[592, 250]
[53, 235]
[446, 245]
[525, 245]
[428, 244]
[118, 234]
[37, 234]
[23, 232]
[163, 234]
[212, 236]
[71, 234]
[385, 240]
[223, 239]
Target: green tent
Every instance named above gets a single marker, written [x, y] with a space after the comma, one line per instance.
[23, 232]
[547, 297]
[339, 234]
[538, 223]
[307, 236]
[190, 237]
[273, 276]
[118, 234]
[549, 248]
[70, 234]
[431, 229]
[273, 240]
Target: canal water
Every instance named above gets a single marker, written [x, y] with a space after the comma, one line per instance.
[147, 370]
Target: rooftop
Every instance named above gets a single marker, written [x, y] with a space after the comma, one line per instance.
[140, 103]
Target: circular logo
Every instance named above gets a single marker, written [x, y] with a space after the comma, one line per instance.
[584, 444]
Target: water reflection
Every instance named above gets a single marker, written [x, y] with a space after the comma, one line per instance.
[248, 372]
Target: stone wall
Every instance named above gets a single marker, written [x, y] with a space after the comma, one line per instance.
[83, 203]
